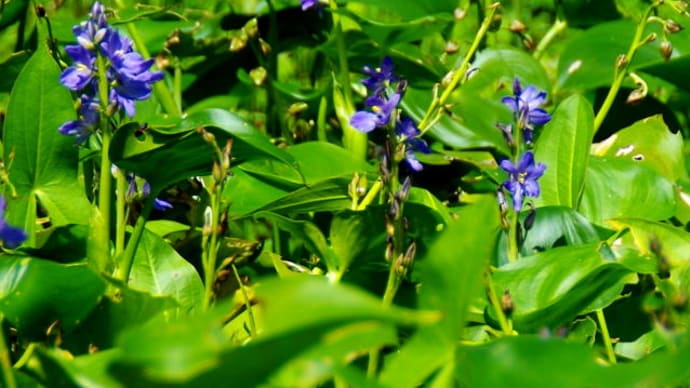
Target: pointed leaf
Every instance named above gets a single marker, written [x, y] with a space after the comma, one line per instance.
[563, 147]
[45, 161]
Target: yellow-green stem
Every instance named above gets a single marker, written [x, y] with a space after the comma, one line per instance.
[513, 248]
[460, 72]
[606, 337]
[105, 179]
[120, 219]
[353, 140]
[558, 27]
[621, 70]
[503, 321]
[371, 194]
[126, 259]
[210, 250]
[247, 302]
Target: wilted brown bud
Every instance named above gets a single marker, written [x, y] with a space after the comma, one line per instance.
[264, 46]
[40, 11]
[621, 61]
[507, 304]
[635, 96]
[451, 47]
[672, 26]
[517, 27]
[666, 49]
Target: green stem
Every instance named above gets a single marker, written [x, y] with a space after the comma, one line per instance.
[608, 344]
[105, 180]
[247, 302]
[353, 140]
[503, 321]
[557, 28]
[5, 361]
[371, 195]
[459, 73]
[513, 249]
[210, 253]
[622, 70]
[127, 258]
[177, 85]
[120, 219]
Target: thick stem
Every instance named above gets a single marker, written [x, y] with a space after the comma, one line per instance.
[105, 180]
[459, 73]
[353, 140]
[606, 337]
[503, 321]
[210, 249]
[120, 219]
[125, 262]
[621, 69]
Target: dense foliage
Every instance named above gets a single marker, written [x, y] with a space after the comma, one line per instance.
[358, 193]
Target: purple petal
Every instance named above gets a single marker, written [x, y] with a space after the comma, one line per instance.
[538, 116]
[160, 204]
[526, 162]
[508, 167]
[412, 161]
[364, 121]
[511, 102]
[535, 172]
[11, 236]
[531, 188]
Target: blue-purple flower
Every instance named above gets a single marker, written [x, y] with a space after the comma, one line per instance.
[11, 236]
[380, 77]
[380, 115]
[526, 106]
[127, 72]
[140, 188]
[408, 133]
[89, 112]
[308, 4]
[523, 178]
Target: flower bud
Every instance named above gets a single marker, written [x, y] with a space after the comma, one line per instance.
[672, 26]
[251, 28]
[404, 191]
[666, 50]
[237, 43]
[507, 304]
[517, 27]
[258, 75]
[459, 14]
[621, 61]
[451, 47]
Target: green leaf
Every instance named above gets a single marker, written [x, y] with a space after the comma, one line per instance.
[115, 314]
[353, 234]
[650, 143]
[643, 346]
[318, 161]
[563, 146]
[309, 234]
[625, 188]
[555, 224]
[589, 59]
[144, 153]
[35, 293]
[674, 242]
[160, 270]
[552, 287]
[44, 168]
[449, 279]
[328, 195]
[409, 9]
[527, 361]
[62, 369]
